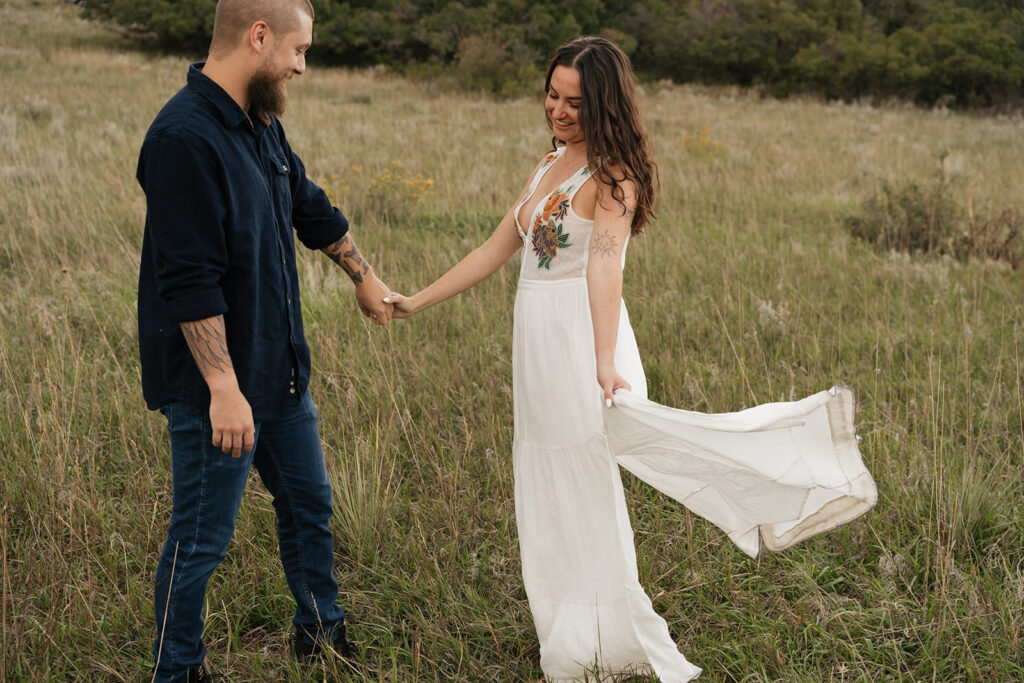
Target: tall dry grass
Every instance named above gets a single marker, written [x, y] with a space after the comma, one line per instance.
[747, 289]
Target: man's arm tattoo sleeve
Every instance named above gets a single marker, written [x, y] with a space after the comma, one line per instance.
[346, 254]
[207, 340]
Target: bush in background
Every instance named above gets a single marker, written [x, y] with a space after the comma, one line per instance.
[501, 67]
[916, 218]
[176, 24]
[966, 53]
[394, 191]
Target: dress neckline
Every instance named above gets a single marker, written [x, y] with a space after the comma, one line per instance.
[545, 167]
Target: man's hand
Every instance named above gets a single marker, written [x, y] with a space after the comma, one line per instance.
[370, 294]
[370, 291]
[230, 415]
[234, 431]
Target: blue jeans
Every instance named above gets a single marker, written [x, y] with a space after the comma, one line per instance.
[208, 485]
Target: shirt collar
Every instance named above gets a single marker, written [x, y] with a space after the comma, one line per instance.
[229, 110]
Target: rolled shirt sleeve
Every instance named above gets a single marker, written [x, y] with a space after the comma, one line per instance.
[317, 222]
[185, 219]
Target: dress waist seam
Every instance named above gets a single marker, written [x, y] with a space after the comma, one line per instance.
[547, 284]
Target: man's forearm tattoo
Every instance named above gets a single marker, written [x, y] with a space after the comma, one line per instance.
[346, 254]
[604, 244]
[209, 344]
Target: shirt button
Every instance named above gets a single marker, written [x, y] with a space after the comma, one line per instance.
[284, 168]
[292, 390]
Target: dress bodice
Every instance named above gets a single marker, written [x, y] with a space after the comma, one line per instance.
[556, 240]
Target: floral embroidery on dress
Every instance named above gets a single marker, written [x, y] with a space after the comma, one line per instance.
[548, 236]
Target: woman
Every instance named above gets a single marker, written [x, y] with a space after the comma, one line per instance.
[780, 472]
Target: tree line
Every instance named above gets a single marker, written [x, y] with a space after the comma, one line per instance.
[967, 53]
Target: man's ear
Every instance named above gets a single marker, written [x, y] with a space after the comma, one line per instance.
[259, 36]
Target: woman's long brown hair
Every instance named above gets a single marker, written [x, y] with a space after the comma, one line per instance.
[610, 117]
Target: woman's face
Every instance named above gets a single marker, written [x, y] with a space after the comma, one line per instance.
[562, 104]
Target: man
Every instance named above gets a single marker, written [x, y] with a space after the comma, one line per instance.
[223, 352]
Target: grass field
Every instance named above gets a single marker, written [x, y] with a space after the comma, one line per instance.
[747, 289]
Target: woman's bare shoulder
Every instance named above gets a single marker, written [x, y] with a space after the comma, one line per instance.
[615, 184]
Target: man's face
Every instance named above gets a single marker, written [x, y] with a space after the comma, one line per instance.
[284, 57]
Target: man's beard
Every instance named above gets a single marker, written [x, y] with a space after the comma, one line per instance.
[267, 95]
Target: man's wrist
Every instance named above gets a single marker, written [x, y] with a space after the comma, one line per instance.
[223, 384]
[360, 278]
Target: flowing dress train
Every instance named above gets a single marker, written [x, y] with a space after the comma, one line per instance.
[776, 473]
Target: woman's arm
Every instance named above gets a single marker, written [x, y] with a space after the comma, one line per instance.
[475, 267]
[612, 224]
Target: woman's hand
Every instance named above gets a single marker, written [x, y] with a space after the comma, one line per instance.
[404, 307]
[606, 377]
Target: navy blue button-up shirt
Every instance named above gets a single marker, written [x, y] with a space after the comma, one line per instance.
[222, 198]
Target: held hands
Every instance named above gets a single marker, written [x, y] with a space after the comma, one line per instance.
[610, 380]
[370, 295]
[404, 307]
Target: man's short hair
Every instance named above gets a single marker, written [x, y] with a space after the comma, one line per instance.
[235, 17]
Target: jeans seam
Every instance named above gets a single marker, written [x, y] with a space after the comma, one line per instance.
[298, 537]
[168, 644]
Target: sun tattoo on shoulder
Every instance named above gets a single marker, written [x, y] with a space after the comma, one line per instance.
[603, 244]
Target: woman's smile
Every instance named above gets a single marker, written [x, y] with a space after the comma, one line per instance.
[562, 104]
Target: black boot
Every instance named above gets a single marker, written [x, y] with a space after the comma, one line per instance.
[201, 674]
[341, 646]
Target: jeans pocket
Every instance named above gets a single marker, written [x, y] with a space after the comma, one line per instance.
[183, 417]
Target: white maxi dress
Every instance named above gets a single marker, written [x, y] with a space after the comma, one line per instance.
[776, 473]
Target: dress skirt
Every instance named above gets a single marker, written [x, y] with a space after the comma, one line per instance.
[775, 473]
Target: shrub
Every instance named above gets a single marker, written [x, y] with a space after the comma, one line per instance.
[701, 144]
[394, 191]
[908, 218]
[966, 52]
[927, 219]
[502, 68]
[999, 237]
[177, 24]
